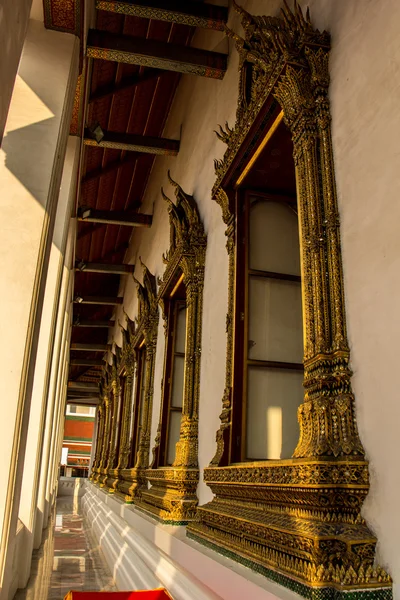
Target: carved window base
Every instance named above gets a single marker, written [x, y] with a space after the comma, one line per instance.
[101, 477]
[130, 483]
[111, 480]
[295, 585]
[94, 475]
[172, 495]
[299, 518]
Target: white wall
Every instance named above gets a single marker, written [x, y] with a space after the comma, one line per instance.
[365, 91]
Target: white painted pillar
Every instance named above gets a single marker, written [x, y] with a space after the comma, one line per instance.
[56, 368]
[59, 422]
[52, 408]
[34, 445]
[31, 161]
[94, 441]
[59, 408]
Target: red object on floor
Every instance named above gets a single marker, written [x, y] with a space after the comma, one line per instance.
[160, 594]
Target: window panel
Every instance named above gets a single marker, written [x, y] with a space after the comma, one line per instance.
[177, 382]
[272, 427]
[173, 434]
[180, 340]
[142, 385]
[273, 238]
[275, 320]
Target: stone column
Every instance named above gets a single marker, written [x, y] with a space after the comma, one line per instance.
[31, 161]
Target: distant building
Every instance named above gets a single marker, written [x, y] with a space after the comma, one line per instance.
[77, 441]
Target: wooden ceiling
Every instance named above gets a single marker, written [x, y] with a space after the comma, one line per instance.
[134, 60]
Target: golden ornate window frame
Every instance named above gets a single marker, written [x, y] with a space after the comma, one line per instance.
[109, 469]
[132, 480]
[99, 472]
[172, 495]
[297, 521]
[98, 461]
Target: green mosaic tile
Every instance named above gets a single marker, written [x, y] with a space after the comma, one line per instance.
[326, 593]
[159, 519]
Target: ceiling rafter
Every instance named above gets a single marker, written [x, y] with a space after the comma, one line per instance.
[115, 217]
[133, 143]
[196, 14]
[104, 268]
[105, 45]
[83, 386]
[87, 362]
[112, 300]
[89, 347]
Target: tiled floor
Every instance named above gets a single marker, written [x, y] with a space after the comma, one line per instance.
[69, 559]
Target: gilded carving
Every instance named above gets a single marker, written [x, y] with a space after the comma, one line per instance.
[172, 496]
[299, 517]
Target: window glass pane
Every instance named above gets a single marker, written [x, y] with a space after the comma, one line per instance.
[275, 320]
[173, 434]
[180, 338]
[273, 238]
[72, 409]
[177, 381]
[272, 400]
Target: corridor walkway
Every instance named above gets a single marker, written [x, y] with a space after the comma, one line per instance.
[69, 558]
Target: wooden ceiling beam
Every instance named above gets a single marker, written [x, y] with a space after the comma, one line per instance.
[89, 347]
[115, 217]
[196, 14]
[83, 385]
[81, 399]
[105, 45]
[112, 300]
[107, 269]
[125, 84]
[86, 362]
[92, 323]
[133, 143]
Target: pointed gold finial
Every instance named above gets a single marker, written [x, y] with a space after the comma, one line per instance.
[164, 195]
[172, 181]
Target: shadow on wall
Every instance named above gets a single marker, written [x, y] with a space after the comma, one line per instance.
[23, 143]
